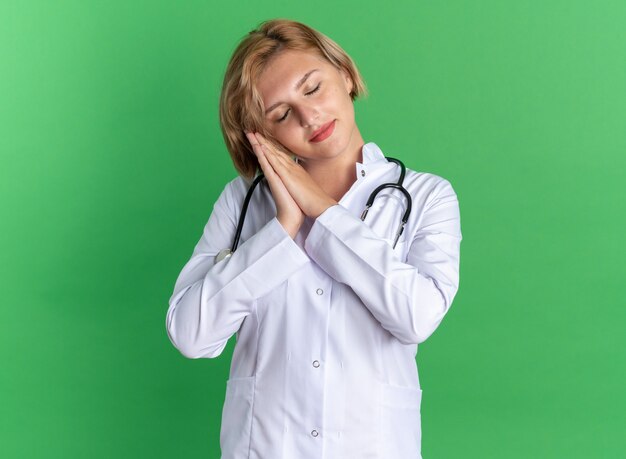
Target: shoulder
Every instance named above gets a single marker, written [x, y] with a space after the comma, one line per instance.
[233, 193]
[416, 182]
[426, 179]
[426, 184]
[435, 201]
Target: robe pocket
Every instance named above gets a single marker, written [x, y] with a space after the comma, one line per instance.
[401, 422]
[237, 418]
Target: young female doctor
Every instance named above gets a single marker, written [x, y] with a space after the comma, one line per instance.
[328, 305]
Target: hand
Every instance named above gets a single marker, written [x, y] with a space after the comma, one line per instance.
[306, 193]
[288, 213]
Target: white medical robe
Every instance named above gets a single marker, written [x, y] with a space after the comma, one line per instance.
[327, 325]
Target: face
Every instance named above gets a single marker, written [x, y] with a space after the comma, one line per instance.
[302, 92]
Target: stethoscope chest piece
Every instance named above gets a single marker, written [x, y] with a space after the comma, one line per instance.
[223, 254]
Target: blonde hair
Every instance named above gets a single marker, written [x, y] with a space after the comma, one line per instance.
[241, 106]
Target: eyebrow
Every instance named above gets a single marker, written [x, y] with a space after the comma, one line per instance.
[296, 87]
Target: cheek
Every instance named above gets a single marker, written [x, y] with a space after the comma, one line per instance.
[339, 100]
[284, 136]
[281, 133]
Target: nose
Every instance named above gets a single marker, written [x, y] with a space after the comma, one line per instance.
[308, 115]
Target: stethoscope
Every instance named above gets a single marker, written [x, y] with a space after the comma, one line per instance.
[225, 253]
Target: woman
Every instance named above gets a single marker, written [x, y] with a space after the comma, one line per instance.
[328, 309]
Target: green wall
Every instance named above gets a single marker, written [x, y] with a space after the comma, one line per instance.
[111, 159]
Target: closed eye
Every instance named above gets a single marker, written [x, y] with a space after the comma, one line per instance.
[306, 94]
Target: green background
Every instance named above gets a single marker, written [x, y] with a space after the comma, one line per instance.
[112, 159]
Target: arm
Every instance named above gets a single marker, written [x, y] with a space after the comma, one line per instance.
[408, 299]
[210, 301]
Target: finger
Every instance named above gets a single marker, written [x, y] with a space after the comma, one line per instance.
[279, 165]
[277, 187]
[282, 158]
[266, 166]
[259, 153]
[274, 149]
[269, 152]
[262, 152]
[256, 146]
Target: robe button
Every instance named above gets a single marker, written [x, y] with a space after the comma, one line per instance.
[362, 172]
[314, 433]
[316, 363]
[319, 291]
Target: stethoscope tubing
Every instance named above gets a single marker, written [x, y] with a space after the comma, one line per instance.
[370, 201]
[244, 209]
[397, 186]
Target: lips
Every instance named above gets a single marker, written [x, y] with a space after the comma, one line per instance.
[323, 132]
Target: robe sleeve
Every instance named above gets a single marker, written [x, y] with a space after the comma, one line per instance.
[211, 300]
[410, 298]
